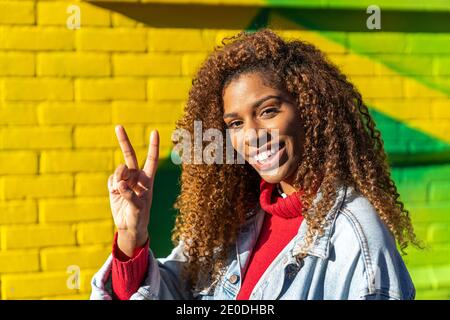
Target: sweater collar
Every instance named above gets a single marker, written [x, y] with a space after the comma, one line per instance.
[272, 203]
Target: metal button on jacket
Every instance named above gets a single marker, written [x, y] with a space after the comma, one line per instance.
[234, 278]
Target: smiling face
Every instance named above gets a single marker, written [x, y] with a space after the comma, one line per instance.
[250, 105]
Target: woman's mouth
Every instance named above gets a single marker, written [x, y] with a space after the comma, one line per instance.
[269, 159]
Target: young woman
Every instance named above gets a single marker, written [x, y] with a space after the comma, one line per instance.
[315, 217]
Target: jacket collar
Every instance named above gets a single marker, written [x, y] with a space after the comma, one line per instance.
[321, 244]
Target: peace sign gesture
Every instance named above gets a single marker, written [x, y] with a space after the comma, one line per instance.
[131, 192]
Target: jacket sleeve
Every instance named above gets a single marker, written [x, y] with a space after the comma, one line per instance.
[163, 280]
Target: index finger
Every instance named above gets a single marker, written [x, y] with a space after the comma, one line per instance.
[127, 148]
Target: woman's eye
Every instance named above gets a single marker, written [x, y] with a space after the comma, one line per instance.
[269, 111]
[233, 124]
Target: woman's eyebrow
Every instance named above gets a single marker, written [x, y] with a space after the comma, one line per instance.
[254, 105]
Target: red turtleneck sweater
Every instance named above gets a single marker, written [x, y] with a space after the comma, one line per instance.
[281, 223]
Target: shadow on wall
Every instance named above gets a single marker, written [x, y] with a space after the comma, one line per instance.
[162, 215]
[211, 16]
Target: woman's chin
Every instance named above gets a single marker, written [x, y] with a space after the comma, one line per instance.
[272, 176]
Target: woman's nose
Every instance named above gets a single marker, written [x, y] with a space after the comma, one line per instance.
[255, 137]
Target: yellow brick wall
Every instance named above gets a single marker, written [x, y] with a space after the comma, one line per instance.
[61, 93]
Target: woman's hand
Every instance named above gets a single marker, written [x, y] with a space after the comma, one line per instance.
[131, 192]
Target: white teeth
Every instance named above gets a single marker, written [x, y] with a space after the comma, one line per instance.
[264, 155]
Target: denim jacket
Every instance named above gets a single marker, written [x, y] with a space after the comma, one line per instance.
[355, 258]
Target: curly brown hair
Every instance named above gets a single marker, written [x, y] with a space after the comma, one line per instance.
[341, 144]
